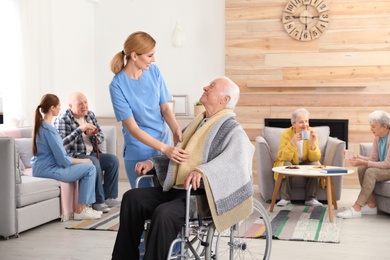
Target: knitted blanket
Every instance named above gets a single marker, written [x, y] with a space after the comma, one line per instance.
[222, 152]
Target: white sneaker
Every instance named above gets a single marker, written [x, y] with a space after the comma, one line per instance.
[283, 203]
[97, 212]
[87, 213]
[366, 210]
[101, 207]
[112, 202]
[349, 213]
[313, 202]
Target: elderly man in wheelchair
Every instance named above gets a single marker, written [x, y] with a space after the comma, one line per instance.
[219, 163]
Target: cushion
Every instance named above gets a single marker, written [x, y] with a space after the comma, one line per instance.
[103, 146]
[382, 188]
[323, 133]
[25, 150]
[365, 149]
[272, 136]
[34, 190]
[10, 132]
[110, 139]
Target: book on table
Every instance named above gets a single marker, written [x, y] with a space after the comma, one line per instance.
[334, 170]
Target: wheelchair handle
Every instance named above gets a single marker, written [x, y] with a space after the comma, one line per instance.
[139, 178]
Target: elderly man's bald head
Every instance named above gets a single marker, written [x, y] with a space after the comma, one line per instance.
[78, 104]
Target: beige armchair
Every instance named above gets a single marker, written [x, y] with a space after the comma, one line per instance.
[267, 148]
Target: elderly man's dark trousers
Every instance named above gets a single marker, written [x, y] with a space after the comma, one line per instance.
[166, 210]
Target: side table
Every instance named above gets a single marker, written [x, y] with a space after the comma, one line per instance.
[309, 172]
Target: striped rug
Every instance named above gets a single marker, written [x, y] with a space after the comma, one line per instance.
[293, 223]
[108, 222]
[305, 223]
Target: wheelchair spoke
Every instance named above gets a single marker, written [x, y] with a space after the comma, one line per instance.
[241, 242]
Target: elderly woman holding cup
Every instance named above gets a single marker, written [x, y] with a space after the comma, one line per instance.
[375, 168]
[298, 146]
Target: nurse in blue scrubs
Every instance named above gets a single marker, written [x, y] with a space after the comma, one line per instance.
[140, 100]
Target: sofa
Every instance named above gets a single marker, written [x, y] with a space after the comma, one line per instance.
[382, 189]
[27, 201]
[267, 147]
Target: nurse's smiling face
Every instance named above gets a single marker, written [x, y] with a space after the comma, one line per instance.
[143, 61]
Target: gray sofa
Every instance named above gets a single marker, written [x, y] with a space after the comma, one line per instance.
[382, 189]
[267, 147]
[27, 201]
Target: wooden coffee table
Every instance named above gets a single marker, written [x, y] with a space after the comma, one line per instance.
[309, 172]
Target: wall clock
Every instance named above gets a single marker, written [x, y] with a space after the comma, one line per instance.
[306, 20]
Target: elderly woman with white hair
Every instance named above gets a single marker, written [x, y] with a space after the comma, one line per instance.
[375, 168]
[296, 149]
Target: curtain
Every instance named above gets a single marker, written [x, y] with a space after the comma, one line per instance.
[25, 62]
[11, 65]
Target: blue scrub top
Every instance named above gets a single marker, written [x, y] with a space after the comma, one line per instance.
[141, 99]
[51, 154]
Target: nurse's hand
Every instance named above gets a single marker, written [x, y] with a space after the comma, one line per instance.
[177, 136]
[176, 154]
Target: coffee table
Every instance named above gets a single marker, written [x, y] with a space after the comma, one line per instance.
[309, 172]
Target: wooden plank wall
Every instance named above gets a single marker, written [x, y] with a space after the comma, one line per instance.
[345, 74]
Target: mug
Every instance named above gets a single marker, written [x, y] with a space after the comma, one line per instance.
[305, 134]
[349, 154]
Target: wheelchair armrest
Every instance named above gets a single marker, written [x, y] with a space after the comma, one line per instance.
[151, 176]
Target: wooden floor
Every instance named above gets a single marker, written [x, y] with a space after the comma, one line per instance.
[365, 238]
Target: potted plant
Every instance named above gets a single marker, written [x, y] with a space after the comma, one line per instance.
[198, 108]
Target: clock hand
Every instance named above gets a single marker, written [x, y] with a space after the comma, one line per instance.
[306, 23]
[312, 17]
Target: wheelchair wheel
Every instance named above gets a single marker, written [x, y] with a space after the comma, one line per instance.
[196, 246]
[251, 238]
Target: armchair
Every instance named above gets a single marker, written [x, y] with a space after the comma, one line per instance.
[382, 189]
[267, 148]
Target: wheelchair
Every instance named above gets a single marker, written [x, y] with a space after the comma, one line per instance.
[199, 239]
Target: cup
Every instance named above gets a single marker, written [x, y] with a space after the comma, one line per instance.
[349, 154]
[305, 135]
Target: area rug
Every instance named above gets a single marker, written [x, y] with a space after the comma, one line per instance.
[305, 223]
[292, 223]
[108, 222]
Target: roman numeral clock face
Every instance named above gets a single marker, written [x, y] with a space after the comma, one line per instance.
[306, 20]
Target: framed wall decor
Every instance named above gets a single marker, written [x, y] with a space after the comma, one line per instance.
[181, 105]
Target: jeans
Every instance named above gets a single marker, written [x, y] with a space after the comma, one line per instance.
[106, 184]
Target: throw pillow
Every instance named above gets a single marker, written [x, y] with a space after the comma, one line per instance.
[25, 150]
[323, 134]
[103, 146]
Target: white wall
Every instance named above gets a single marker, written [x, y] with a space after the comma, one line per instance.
[72, 46]
[185, 69]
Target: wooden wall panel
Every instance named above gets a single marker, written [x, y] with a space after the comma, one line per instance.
[345, 74]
